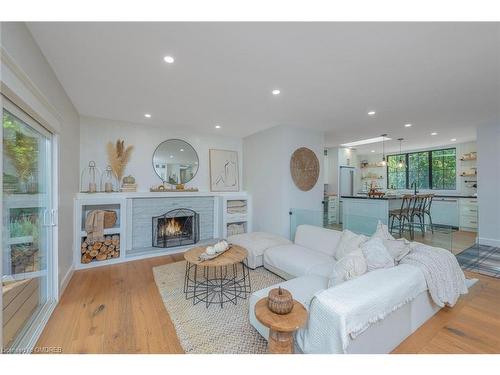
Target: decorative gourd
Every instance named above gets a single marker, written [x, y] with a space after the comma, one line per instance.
[280, 301]
[129, 179]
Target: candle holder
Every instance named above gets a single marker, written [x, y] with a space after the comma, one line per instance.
[109, 183]
[88, 178]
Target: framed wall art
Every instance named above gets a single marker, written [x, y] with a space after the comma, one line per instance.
[224, 170]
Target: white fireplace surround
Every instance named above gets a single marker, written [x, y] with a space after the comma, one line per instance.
[136, 210]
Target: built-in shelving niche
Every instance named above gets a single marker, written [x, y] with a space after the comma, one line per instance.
[110, 248]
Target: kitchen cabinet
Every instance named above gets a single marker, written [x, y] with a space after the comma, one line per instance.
[468, 214]
[332, 207]
[445, 211]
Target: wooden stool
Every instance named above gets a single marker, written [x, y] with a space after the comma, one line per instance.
[281, 327]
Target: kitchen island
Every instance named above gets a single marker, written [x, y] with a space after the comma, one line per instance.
[361, 214]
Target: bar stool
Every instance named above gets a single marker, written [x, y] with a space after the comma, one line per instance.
[402, 214]
[418, 212]
[427, 209]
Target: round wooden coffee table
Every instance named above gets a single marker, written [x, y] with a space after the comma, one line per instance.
[219, 280]
[281, 327]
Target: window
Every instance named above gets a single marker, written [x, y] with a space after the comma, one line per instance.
[428, 169]
[27, 272]
[396, 176]
[444, 169]
[418, 169]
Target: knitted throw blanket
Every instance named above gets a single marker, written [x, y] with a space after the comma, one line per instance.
[444, 277]
[94, 226]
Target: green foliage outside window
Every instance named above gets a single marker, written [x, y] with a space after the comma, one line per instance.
[435, 170]
[444, 169]
[418, 164]
[21, 150]
[396, 176]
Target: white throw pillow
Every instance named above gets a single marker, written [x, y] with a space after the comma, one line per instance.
[397, 248]
[348, 243]
[376, 254]
[347, 268]
[382, 232]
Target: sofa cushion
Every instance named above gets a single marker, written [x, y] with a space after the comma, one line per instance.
[397, 248]
[348, 268]
[376, 254]
[256, 243]
[382, 232]
[295, 260]
[323, 269]
[317, 238]
[349, 242]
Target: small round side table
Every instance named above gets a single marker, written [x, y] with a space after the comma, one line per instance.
[281, 327]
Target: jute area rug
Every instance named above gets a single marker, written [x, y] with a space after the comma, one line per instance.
[214, 329]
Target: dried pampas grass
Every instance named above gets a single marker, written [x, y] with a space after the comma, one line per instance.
[118, 157]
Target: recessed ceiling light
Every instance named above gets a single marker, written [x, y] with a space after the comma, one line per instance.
[168, 59]
[453, 139]
[434, 133]
[181, 149]
[366, 141]
[407, 125]
[217, 126]
[371, 113]
[276, 92]
[373, 151]
[171, 156]
[147, 115]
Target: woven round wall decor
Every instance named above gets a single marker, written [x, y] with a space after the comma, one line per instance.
[304, 167]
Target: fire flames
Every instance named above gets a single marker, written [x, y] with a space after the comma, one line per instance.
[171, 228]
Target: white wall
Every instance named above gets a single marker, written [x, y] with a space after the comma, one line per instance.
[55, 109]
[267, 176]
[488, 153]
[96, 133]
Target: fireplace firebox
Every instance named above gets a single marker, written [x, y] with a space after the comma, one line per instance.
[179, 227]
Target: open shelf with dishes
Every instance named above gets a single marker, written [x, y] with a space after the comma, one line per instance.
[371, 166]
[471, 156]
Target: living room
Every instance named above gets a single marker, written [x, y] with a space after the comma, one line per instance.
[250, 187]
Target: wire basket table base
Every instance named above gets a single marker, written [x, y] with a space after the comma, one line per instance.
[217, 285]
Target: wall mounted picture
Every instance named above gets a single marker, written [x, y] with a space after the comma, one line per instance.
[224, 170]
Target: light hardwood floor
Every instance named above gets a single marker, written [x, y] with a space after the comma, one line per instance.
[117, 309]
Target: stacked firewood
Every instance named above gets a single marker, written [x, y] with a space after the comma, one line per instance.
[101, 250]
[24, 258]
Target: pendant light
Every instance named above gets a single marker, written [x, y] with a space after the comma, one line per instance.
[401, 163]
[383, 162]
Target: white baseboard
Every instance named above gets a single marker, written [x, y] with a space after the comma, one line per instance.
[489, 241]
[65, 280]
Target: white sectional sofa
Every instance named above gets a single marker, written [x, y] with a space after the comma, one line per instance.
[312, 253]
[307, 264]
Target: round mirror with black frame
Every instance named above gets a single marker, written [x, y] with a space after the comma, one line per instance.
[175, 161]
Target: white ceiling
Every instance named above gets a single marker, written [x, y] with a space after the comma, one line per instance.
[442, 77]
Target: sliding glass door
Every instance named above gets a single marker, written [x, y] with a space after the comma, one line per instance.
[28, 222]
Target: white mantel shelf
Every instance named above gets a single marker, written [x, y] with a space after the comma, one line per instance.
[148, 194]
